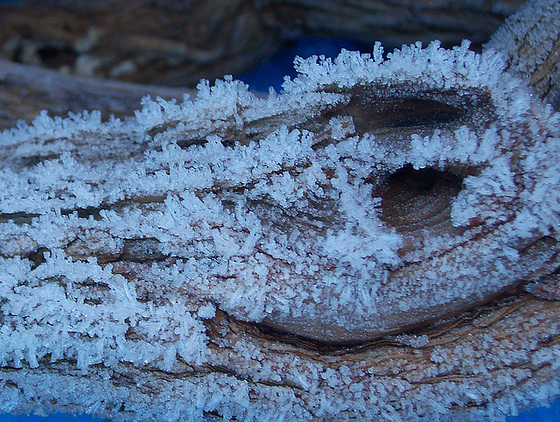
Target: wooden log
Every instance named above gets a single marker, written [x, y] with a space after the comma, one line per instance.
[396, 22]
[25, 91]
[178, 43]
[532, 48]
[378, 242]
[163, 42]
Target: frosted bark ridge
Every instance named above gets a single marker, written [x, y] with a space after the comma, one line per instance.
[530, 40]
[122, 242]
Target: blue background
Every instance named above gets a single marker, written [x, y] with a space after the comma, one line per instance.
[271, 73]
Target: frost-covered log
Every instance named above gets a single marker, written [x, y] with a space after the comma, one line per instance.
[26, 90]
[377, 242]
[179, 42]
[532, 48]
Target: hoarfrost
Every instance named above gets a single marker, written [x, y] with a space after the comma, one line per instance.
[535, 28]
[286, 229]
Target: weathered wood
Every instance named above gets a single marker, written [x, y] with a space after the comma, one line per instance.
[175, 43]
[178, 43]
[533, 50]
[25, 91]
[210, 261]
[396, 22]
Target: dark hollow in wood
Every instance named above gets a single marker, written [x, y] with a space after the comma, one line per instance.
[413, 198]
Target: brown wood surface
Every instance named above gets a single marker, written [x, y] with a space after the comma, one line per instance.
[178, 43]
[26, 90]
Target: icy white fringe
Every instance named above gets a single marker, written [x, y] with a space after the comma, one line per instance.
[228, 256]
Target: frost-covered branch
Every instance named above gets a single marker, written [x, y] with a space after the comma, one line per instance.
[25, 91]
[377, 242]
[531, 43]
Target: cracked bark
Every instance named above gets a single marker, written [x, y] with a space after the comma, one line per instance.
[394, 362]
[188, 41]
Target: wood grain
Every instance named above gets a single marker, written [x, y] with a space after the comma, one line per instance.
[178, 43]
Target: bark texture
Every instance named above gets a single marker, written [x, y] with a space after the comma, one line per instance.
[532, 51]
[25, 91]
[178, 43]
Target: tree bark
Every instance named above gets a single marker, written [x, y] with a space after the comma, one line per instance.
[138, 280]
[178, 43]
[25, 91]
[532, 51]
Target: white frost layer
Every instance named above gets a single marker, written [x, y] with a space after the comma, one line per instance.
[227, 250]
[54, 319]
[193, 222]
[535, 28]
